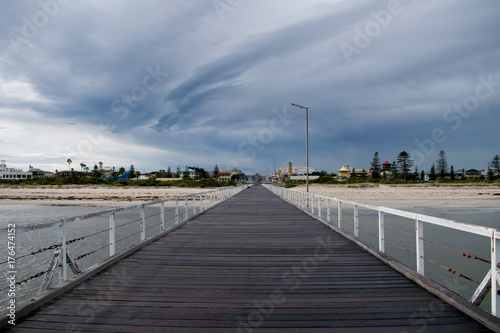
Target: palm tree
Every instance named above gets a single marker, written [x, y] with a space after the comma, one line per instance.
[82, 165]
[69, 161]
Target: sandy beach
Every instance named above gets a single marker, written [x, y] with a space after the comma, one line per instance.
[381, 195]
[399, 196]
[89, 195]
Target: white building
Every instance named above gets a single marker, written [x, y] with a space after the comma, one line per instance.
[12, 173]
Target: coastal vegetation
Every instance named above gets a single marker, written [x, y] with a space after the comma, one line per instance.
[77, 180]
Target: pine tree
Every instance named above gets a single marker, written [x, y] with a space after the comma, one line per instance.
[169, 172]
[405, 162]
[216, 172]
[432, 174]
[495, 166]
[375, 166]
[422, 175]
[442, 165]
[132, 172]
[452, 173]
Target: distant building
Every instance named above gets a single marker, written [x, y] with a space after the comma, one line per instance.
[345, 172]
[472, 174]
[386, 165]
[12, 173]
[292, 173]
[38, 173]
[68, 173]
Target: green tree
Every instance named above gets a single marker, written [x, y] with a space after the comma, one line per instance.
[495, 166]
[100, 165]
[375, 166]
[131, 172]
[96, 172]
[452, 173]
[169, 172]
[405, 162]
[216, 172]
[394, 170]
[442, 165]
[69, 161]
[422, 175]
[432, 173]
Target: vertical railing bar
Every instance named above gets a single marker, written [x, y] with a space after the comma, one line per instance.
[381, 231]
[419, 232]
[143, 222]
[112, 233]
[495, 259]
[176, 211]
[356, 221]
[339, 214]
[61, 230]
[162, 216]
[328, 213]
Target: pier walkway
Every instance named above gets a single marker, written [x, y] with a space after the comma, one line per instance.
[251, 264]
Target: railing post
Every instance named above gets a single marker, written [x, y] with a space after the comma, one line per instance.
[419, 233]
[495, 258]
[339, 214]
[162, 216]
[312, 204]
[201, 202]
[319, 207]
[112, 233]
[381, 231]
[194, 204]
[328, 214]
[356, 221]
[186, 213]
[61, 230]
[143, 222]
[307, 201]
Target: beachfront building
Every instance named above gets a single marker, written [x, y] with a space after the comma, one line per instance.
[294, 173]
[13, 173]
[386, 166]
[38, 173]
[345, 172]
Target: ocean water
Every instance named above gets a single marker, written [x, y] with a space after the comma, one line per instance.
[128, 233]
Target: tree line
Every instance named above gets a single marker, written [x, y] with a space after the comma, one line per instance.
[401, 168]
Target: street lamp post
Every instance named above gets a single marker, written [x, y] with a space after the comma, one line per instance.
[307, 142]
[274, 158]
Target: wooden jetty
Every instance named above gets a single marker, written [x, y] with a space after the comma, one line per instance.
[251, 264]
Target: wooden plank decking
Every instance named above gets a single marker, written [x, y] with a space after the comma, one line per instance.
[253, 263]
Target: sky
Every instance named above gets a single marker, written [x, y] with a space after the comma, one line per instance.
[203, 82]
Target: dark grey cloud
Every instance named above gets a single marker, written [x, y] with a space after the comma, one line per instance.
[88, 69]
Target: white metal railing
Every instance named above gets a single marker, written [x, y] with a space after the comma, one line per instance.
[321, 206]
[169, 211]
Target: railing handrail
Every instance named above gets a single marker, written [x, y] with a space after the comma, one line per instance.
[107, 211]
[456, 225]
